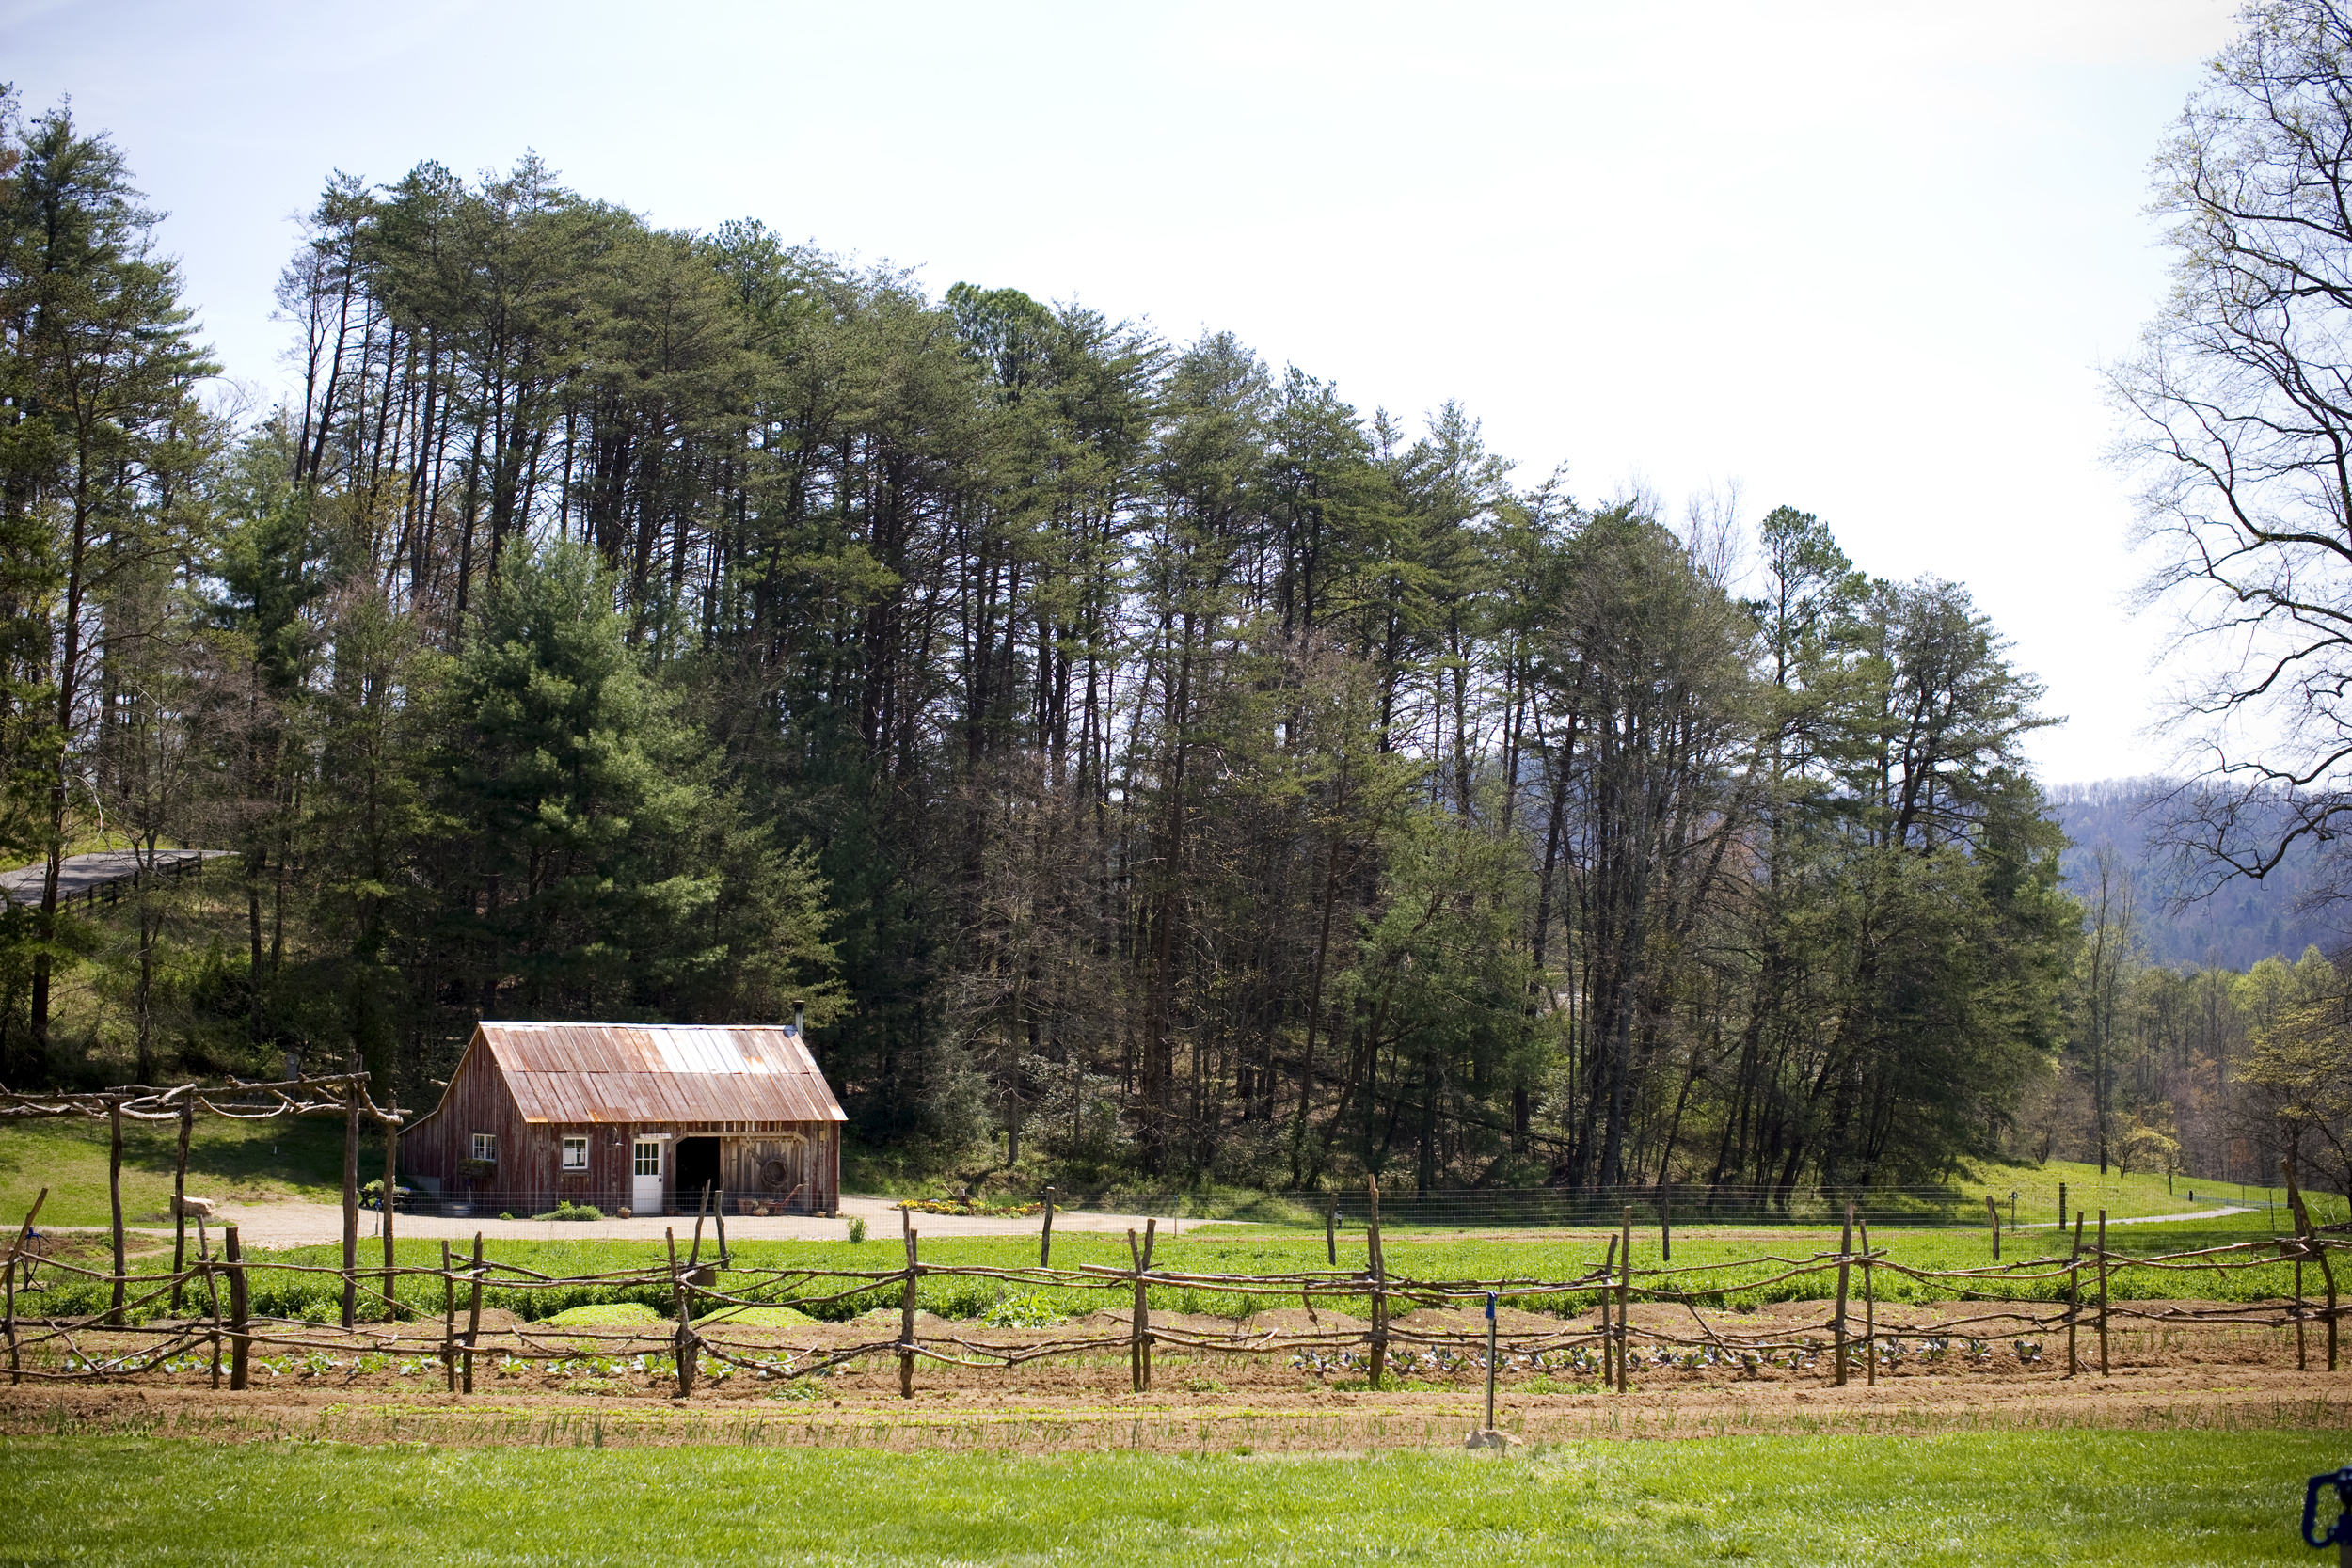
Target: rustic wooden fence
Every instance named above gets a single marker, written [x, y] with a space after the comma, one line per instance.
[222, 1331]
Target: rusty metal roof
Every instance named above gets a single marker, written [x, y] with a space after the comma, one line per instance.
[655, 1073]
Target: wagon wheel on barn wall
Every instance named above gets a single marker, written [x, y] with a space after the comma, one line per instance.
[775, 1175]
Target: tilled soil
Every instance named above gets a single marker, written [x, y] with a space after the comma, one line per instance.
[595, 1388]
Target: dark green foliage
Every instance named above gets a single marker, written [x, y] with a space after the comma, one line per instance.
[1145, 767]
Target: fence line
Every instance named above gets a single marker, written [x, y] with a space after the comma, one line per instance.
[1685, 1203]
[226, 1331]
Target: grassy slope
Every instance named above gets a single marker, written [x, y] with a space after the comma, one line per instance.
[2171, 1497]
[2121, 1196]
[241, 1160]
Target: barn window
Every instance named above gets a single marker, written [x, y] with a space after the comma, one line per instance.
[486, 1148]
[575, 1154]
[648, 1157]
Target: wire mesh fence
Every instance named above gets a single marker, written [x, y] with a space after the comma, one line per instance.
[1537, 1207]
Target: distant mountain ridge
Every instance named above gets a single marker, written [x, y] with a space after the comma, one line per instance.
[2238, 926]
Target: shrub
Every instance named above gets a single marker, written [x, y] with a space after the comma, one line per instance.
[567, 1210]
[857, 1229]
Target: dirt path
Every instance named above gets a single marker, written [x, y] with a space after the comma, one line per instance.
[293, 1224]
[1188, 1410]
[543, 1385]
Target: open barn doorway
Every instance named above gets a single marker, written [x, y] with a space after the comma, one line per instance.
[697, 1163]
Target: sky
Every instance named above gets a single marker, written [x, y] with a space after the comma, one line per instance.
[1866, 260]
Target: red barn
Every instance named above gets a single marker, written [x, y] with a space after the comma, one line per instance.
[631, 1116]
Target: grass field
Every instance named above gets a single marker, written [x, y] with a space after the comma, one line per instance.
[2072, 1498]
[242, 1161]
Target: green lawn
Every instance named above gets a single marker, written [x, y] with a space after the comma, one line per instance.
[2083, 1497]
[290, 1157]
[2087, 1190]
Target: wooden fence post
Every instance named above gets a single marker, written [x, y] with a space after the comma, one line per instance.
[2074, 1296]
[179, 1201]
[16, 1373]
[1665, 1224]
[211, 1294]
[681, 1293]
[2103, 1293]
[2302, 1357]
[473, 1314]
[718, 1220]
[1141, 1351]
[1625, 1296]
[351, 1203]
[2061, 1207]
[1607, 1318]
[239, 1314]
[1331, 1235]
[2317, 1249]
[1869, 1313]
[114, 1192]
[1837, 1327]
[1994, 1210]
[906, 1310]
[1378, 1269]
[449, 1321]
[1045, 1234]
[391, 1177]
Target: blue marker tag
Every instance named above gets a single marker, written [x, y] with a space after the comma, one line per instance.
[1490, 1307]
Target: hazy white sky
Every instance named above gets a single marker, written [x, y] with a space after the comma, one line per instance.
[1863, 259]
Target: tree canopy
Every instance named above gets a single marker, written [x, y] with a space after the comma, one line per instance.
[1145, 764]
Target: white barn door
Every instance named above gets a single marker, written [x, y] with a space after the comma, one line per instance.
[644, 1189]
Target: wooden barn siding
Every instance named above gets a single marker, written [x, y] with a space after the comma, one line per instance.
[529, 1178]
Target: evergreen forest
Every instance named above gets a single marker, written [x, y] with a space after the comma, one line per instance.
[1146, 766]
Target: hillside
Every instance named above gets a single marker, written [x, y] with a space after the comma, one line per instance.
[2238, 925]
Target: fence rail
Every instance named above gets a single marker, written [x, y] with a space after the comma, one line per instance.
[222, 1331]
